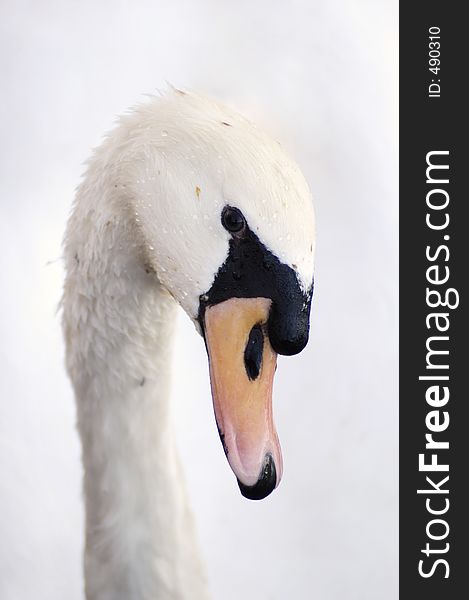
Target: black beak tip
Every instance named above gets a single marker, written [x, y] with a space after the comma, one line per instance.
[265, 484]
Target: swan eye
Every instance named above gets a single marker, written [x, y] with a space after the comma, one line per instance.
[233, 220]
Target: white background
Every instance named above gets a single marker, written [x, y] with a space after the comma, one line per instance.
[322, 77]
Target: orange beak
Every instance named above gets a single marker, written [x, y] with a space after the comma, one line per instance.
[242, 367]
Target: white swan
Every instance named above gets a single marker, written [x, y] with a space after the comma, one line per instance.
[187, 202]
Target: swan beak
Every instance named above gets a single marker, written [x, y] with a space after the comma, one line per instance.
[242, 368]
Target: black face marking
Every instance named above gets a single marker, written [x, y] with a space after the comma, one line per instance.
[252, 271]
[253, 352]
[265, 484]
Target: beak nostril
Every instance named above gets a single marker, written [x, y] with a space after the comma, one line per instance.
[253, 352]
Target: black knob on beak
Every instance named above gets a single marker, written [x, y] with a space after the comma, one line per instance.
[289, 324]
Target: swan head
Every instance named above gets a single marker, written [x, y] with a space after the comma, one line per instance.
[228, 226]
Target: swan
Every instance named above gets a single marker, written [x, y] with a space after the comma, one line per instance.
[185, 202]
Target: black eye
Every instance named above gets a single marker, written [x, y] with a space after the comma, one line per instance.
[232, 219]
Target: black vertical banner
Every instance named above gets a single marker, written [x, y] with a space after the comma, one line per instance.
[434, 257]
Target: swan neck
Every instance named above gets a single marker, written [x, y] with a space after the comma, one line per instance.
[119, 327]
